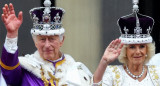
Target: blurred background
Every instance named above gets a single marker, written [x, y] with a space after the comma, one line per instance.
[90, 26]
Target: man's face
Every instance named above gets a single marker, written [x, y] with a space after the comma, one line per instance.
[48, 46]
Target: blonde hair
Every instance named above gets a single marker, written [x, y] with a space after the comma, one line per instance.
[150, 52]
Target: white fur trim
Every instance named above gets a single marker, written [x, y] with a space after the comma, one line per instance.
[136, 40]
[71, 71]
[47, 32]
[32, 64]
[78, 75]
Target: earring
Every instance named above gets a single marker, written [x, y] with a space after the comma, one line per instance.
[146, 55]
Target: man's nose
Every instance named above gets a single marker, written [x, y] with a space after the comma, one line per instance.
[47, 43]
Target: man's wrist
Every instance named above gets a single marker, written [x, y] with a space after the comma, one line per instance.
[11, 44]
[12, 35]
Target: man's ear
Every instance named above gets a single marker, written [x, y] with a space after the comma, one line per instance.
[35, 41]
[61, 43]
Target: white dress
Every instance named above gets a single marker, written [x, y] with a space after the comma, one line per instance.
[155, 60]
[128, 81]
[116, 76]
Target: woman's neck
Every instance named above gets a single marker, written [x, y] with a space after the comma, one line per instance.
[135, 69]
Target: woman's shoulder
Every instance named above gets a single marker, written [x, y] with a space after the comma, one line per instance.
[114, 69]
[156, 67]
[154, 71]
[155, 60]
[112, 74]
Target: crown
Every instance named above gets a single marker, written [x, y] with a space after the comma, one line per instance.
[47, 20]
[135, 28]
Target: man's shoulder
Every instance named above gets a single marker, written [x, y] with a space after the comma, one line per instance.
[69, 57]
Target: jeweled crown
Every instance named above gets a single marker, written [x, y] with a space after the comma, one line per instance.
[47, 20]
[135, 28]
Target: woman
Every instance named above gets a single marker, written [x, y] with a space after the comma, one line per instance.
[136, 52]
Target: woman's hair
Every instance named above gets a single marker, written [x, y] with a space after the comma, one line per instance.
[150, 52]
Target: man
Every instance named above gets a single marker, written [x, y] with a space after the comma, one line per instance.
[48, 66]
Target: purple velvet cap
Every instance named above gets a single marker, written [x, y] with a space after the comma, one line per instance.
[47, 20]
[39, 13]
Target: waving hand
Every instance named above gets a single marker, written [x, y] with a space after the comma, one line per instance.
[11, 22]
[112, 51]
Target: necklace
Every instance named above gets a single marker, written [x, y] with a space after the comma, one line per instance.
[135, 76]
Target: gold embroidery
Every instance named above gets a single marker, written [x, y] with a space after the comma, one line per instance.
[54, 78]
[154, 74]
[60, 62]
[46, 82]
[51, 81]
[59, 70]
[117, 75]
[8, 67]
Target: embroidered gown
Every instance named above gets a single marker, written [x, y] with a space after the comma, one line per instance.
[116, 76]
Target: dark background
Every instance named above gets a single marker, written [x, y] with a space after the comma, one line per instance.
[151, 8]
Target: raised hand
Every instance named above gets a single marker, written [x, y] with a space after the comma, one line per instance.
[112, 51]
[12, 23]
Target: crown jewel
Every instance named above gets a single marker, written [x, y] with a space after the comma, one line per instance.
[135, 28]
[47, 20]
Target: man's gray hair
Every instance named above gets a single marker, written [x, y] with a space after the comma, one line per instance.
[60, 37]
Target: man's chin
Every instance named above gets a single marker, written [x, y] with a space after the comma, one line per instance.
[48, 57]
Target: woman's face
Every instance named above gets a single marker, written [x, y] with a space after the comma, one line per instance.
[136, 53]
